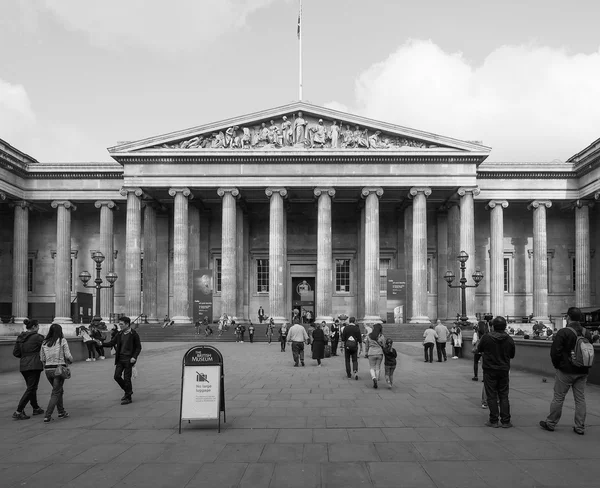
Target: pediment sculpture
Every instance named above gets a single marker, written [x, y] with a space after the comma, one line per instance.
[297, 132]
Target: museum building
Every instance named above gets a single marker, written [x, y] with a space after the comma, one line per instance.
[298, 206]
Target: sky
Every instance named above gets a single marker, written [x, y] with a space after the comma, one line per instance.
[78, 76]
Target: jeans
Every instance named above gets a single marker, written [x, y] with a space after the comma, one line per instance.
[389, 373]
[334, 346]
[32, 380]
[56, 397]
[495, 383]
[428, 351]
[251, 335]
[283, 342]
[441, 350]
[562, 383]
[91, 347]
[476, 358]
[298, 352]
[375, 365]
[354, 356]
[123, 368]
[458, 351]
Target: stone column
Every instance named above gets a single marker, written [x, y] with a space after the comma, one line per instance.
[497, 256]
[582, 254]
[133, 252]
[150, 263]
[540, 260]
[419, 257]
[181, 277]
[467, 242]
[229, 250]
[442, 259]
[107, 247]
[62, 262]
[408, 257]
[453, 251]
[277, 237]
[239, 232]
[371, 196]
[20, 294]
[324, 255]
[194, 252]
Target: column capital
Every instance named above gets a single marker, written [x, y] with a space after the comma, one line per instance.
[184, 191]
[539, 203]
[21, 203]
[233, 190]
[582, 203]
[63, 203]
[415, 190]
[367, 190]
[138, 192]
[321, 190]
[282, 191]
[105, 203]
[493, 203]
[597, 195]
[2, 195]
[463, 190]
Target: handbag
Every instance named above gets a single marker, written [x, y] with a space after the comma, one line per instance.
[62, 371]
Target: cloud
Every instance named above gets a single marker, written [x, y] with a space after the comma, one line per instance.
[173, 26]
[528, 103]
[16, 114]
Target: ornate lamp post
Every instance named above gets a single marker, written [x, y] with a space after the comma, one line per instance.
[477, 277]
[84, 276]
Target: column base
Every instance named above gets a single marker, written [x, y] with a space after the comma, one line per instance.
[371, 319]
[181, 319]
[154, 320]
[11, 329]
[325, 318]
[278, 320]
[62, 320]
[68, 329]
[419, 319]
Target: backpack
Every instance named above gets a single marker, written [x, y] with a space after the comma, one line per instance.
[351, 344]
[582, 354]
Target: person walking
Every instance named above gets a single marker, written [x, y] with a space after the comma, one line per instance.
[429, 339]
[440, 343]
[352, 341]
[390, 355]
[127, 346]
[497, 349]
[335, 337]
[251, 332]
[569, 372]
[242, 332]
[283, 332]
[27, 349]
[55, 352]
[374, 343]
[297, 336]
[457, 342]
[270, 330]
[318, 343]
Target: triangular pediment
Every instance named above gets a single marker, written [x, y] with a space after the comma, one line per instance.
[299, 127]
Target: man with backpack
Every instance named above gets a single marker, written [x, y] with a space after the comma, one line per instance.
[352, 340]
[572, 355]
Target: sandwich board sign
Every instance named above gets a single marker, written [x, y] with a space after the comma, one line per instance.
[202, 385]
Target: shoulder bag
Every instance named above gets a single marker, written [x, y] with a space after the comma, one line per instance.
[62, 371]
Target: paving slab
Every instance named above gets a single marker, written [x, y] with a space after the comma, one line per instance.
[287, 427]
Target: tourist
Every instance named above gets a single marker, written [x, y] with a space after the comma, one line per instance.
[127, 346]
[429, 339]
[283, 332]
[298, 337]
[318, 343]
[270, 330]
[326, 332]
[374, 343]
[335, 337]
[27, 349]
[89, 343]
[480, 330]
[237, 333]
[457, 342]
[440, 343]
[261, 315]
[390, 356]
[242, 332]
[569, 374]
[197, 325]
[497, 349]
[55, 352]
[352, 342]
[97, 335]
[251, 332]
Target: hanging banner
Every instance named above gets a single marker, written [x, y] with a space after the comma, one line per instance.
[203, 295]
[396, 296]
[202, 385]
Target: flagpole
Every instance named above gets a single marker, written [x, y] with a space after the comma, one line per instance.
[300, 53]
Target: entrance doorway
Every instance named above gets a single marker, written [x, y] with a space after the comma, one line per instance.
[303, 298]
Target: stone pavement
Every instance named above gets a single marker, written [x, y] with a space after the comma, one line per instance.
[287, 427]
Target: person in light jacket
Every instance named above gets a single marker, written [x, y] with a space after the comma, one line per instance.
[55, 352]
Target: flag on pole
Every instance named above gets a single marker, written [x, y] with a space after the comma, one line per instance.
[299, 19]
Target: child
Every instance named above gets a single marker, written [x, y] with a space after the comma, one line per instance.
[390, 355]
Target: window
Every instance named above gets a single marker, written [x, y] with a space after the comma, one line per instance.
[218, 266]
[506, 275]
[342, 275]
[262, 275]
[384, 265]
[30, 274]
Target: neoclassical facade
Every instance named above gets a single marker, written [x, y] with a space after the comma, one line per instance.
[298, 194]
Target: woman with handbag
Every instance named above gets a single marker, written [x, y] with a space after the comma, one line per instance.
[374, 343]
[55, 356]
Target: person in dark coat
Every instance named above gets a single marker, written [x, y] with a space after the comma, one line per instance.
[27, 349]
[127, 346]
[318, 344]
[335, 337]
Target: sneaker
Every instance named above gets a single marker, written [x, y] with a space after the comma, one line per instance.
[349, 376]
[102, 357]
[20, 416]
[38, 411]
[127, 401]
[63, 415]
[475, 378]
[445, 359]
[507, 425]
[318, 365]
[484, 405]
[88, 360]
[296, 365]
[93, 359]
[356, 375]
[303, 364]
[544, 425]
[494, 425]
[47, 419]
[374, 383]
[454, 357]
[578, 431]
